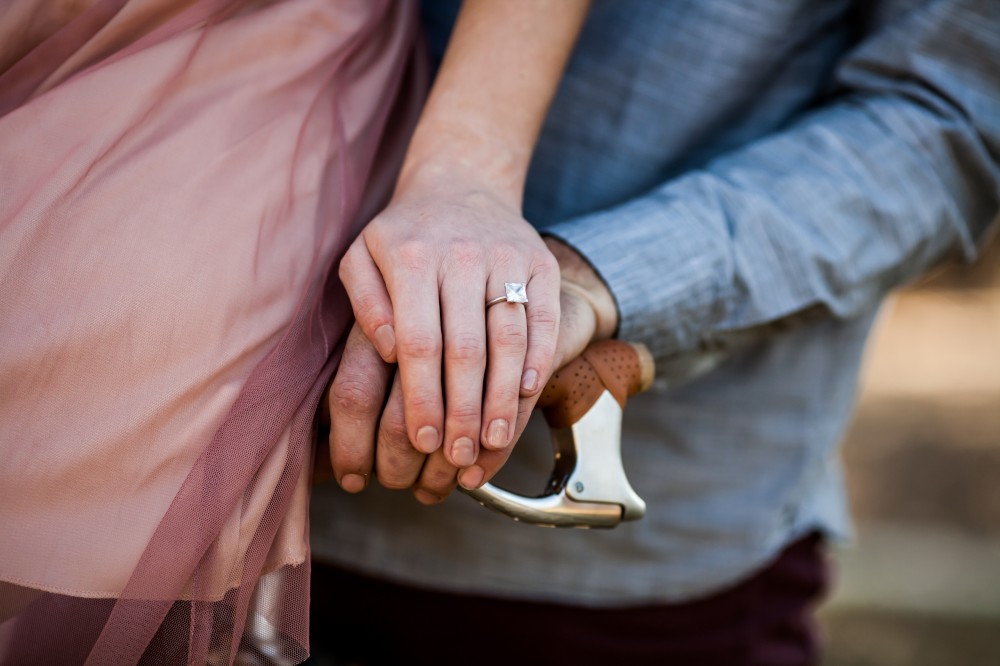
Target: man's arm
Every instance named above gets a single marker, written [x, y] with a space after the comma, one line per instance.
[897, 171]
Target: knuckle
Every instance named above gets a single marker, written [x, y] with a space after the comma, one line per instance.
[394, 435]
[542, 357]
[506, 394]
[368, 308]
[397, 464]
[423, 402]
[415, 254]
[466, 349]
[466, 253]
[543, 318]
[512, 336]
[344, 267]
[544, 264]
[541, 354]
[353, 396]
[505, 253]
[463, 413]
[351, 254]
[418, 345]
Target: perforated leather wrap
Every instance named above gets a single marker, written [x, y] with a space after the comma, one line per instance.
[622, 368]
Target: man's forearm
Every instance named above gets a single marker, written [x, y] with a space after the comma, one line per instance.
[892, 175]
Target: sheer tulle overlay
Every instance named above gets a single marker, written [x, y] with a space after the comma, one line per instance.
[178, 182]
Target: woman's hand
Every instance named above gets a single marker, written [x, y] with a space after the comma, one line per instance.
[368, 430]
[419, 276]
[421, 272]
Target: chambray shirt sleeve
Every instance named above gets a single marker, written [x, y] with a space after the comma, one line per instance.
[899, 169]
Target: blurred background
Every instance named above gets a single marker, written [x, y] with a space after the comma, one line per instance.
[921, 584]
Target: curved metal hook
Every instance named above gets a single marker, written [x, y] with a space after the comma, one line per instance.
[588, 486]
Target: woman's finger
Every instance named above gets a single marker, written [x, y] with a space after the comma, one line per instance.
[507, 342]
[416, 308]
[576, 329]
[462, 316]
[490, 462]
[542, 310]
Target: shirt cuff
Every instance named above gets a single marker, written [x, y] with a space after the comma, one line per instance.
[662, 268]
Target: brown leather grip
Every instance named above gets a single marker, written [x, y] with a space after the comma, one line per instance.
[622, 368]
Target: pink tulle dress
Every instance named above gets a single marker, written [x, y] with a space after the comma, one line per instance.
[177, 182]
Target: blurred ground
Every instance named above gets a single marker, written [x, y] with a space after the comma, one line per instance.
[921, 586]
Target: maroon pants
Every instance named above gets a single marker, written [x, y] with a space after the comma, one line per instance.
[765, 620]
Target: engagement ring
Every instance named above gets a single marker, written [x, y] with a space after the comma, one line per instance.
[516, 293]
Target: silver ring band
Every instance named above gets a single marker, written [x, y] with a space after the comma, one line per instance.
[494, 301]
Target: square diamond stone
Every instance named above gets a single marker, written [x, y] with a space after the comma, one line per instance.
[515, 292]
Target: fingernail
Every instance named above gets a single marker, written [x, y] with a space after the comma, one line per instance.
[385, 341]
[353, 483]
[463, 452]
[471, 477]
[425, 497]
[529, 382]
[427, 439]
[497, 434]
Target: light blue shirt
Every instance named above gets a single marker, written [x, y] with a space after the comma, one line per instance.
[750, 179]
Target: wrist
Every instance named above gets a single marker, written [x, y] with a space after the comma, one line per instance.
[460, 156]
[580, 278]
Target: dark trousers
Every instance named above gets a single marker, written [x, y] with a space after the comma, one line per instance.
[766, 620]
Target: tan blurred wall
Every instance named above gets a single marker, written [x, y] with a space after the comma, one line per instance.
[920, 585]
[940, 340]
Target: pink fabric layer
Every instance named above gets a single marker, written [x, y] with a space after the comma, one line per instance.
[176, 182]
